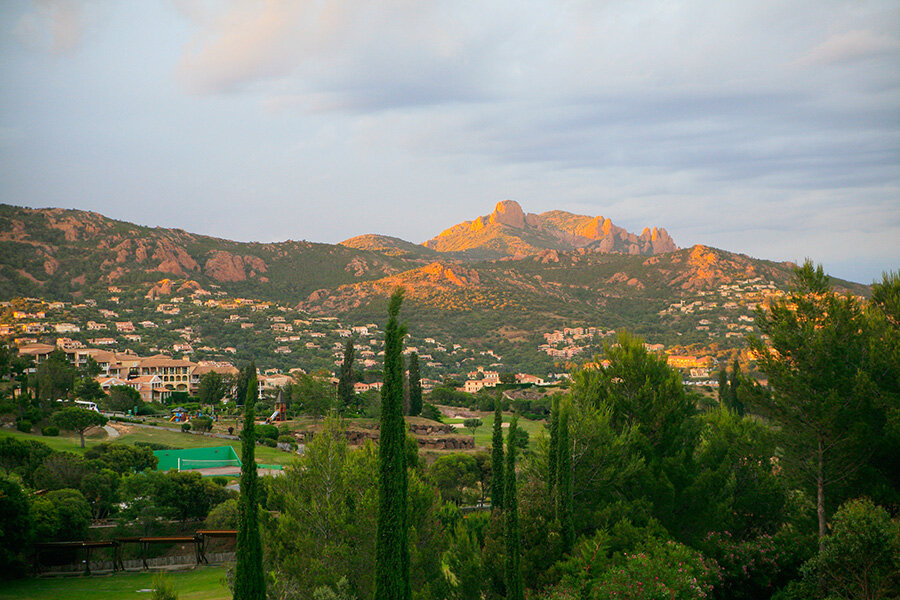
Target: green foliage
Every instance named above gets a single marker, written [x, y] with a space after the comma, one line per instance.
[23, 425]
[249, 580]
[392, 550]
[88, 388]
[513, 570]
[122, 458]
[346, 379]
[564, 501]
[211, 388]
[185, 427]
[860, 558]
[202, 424]
[122, 398]
[657, 571]
[163, 588]
[78, 420]
[61, 515]
[430, 411]
[54, 377]
[452, 474]
[50, 431]
[415, 386]
[498, 481]
[267, 431]
[312, 395]
[223, 516]
[472, 424]
[16, 527]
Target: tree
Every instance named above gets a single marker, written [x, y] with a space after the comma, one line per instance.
[452, 474]
[818, 361]
[472, 424]
[249, 580]
[391, 548]
[122, 458]
[723, 384]
[860, 558]
[497, 480]
[346, 379]
[734, 402]
[54, 377]
[508, 378]
[564, 488]
[212, 388]
[123, 398]
[78, 420]
[313, 395]
[553, 449]
[88, 388]
[15, 528]
[513, 540]
[415, 386]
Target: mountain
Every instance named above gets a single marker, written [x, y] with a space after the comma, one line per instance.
[516, 276]
[508, 231]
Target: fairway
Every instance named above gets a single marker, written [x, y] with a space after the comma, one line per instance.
[484, 434]
[204, 583]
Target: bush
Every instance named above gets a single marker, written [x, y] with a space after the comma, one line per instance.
[268, 442]
[50, 431]
[154, 445]
[267, 431]
[163, 588]
[24, 426]
[202, 424]
[185, 427]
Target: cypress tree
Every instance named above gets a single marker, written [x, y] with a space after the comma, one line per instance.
[553, 452]
[249, 581]
[723, 384]
[564, 487]
[391, 543]
[497, 481]
[514, 587]
[346, 394]
[735, 382]
[415, 386]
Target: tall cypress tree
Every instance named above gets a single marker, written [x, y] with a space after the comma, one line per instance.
[346, 394]
[723, 384]
[514, 587]
[736, 405]
[564, 487]
[497, 481]
[415, 386]
[391, 544]
[249, 581]
[553, 451]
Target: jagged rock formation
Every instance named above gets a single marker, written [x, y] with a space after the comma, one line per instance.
[508, 231]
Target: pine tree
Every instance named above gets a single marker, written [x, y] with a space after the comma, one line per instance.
[553, 452]
[497, 481]
[415, 386]
[514, 587]
[346, 393]
[391, 544]
[249, 581]
[564, 487]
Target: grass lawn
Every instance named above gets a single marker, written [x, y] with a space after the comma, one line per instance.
[173, 438]
[484, 433]
[204, 583]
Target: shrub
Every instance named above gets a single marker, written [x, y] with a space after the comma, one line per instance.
[268, 442]
[267, 431]
[24, 426]
[163, 588]
[154, 445]
[202, 424]
[50, 431]
[185, 427]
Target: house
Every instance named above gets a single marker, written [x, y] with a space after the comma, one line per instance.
[102, 341]
[472, 386]
[94, 326]
[66, 328]
[124, 326]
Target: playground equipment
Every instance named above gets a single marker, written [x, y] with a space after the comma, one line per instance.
[179, 415]
[280, 413]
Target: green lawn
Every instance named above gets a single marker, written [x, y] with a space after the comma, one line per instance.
[484, 434]
[173, 438]
[204, 583]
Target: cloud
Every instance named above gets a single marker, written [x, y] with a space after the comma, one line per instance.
[851, 46]
[57, 26]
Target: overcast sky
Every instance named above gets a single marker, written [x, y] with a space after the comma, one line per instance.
[765, 127]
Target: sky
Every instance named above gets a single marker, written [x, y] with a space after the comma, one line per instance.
[765, 127]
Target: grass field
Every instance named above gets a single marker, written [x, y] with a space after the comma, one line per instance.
[205, 583]
[484, 433]
[173, 438]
